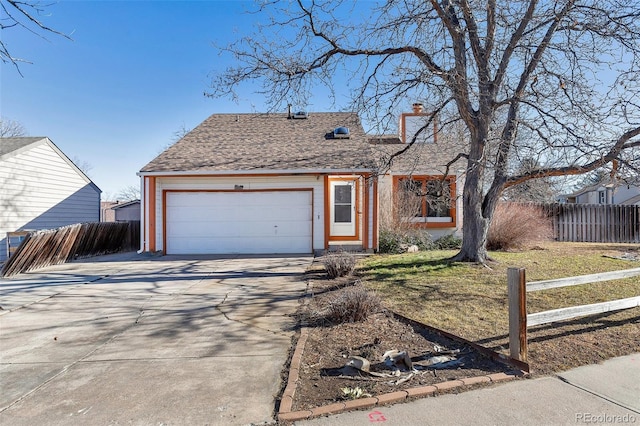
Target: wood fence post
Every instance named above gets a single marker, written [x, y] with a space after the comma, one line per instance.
[517, 286]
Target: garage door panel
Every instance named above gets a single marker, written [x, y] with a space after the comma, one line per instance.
[218, 228]
[239, 222]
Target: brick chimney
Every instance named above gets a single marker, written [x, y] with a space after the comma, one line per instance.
[411, 122]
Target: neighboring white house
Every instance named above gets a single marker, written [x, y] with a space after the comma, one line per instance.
[41, 188]
[608, 192]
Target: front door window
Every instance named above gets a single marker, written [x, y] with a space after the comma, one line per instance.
[343, 203]
[343, 208]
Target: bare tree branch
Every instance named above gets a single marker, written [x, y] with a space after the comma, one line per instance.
[23, 15]
[11, 128]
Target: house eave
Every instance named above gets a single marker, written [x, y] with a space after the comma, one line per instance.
[286, 172]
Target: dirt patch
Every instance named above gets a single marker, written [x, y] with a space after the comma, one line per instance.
[329, 347]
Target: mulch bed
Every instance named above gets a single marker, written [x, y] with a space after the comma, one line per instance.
[329, 347]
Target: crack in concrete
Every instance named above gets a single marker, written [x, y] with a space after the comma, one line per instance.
[596, 394]
[218, 307]
[77, 284]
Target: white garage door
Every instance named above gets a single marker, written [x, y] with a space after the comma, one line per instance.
[238, 222]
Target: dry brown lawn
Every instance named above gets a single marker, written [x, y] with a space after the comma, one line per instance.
[471, 300]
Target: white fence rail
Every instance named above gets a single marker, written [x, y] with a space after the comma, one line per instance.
[519, 320]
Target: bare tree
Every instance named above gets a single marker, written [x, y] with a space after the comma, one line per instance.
[177, 135]
[11, 128]
[83, 165]
[565, 71]
[180, 133]
[25, 15]
[129, 193]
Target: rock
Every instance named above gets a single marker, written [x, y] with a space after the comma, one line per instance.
[398, 359]
[413, 249]
[359, 363]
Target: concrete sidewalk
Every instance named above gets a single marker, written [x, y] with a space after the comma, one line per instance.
[607, 393]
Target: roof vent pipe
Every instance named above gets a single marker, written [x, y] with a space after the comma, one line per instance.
[289, 115]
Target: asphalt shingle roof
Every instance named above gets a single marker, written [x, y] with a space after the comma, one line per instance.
[8, 145]
[255, 142]
[420, 158]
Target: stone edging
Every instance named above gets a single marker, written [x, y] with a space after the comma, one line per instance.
[286, 403]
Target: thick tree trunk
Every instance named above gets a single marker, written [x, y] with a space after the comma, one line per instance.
[474, 226]
[477, 211]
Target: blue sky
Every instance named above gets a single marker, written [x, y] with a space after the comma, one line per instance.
[133, 75]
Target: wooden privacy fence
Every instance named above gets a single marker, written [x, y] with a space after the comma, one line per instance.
[519, 320]
[55, 246]
[594, 223]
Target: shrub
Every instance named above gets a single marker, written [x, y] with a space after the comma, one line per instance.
[397, 240]
[517, 225]
[352, 304]
[447, 242]
[389, 242]
[397, 230]
[339, 264]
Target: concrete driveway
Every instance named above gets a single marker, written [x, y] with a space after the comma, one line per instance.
[125, 339]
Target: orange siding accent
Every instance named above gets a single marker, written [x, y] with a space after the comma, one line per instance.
[144, 203]
[375, 213]
[365, 224]
[152, 213]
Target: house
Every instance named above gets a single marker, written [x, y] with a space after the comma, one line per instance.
[609, 191]
[284, 183]
[120, 211]
[262, 183]
[41, 188]
[422, 186]
[107, 214]
[127, 211]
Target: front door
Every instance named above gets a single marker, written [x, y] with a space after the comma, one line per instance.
[343, 208]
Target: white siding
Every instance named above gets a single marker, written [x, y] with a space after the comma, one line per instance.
[40, 190]
[248, 183]
[625, 192]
